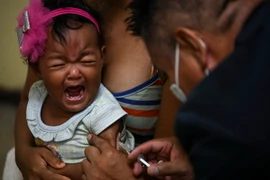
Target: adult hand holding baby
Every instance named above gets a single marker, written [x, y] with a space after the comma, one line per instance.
[36, 166]
[105, 162]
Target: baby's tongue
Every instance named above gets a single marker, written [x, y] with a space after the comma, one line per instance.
[74, 91]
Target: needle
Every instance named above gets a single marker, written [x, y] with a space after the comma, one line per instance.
[128, 151]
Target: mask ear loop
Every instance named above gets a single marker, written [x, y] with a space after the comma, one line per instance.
[175, 88]
[177, 61]
[206, 71]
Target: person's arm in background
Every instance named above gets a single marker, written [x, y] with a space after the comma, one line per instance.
[168, 110]
[31, 159]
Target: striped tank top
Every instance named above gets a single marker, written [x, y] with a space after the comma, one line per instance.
[142, 104]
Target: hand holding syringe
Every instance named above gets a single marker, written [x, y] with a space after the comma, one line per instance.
[128, 151]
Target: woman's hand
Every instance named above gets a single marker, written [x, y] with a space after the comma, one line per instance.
[34, 161]
[105, 162]
[73, 171]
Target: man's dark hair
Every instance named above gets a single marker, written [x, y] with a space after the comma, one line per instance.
[63, 22]
[191, 13]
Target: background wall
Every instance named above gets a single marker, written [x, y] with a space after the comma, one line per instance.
[12, 69]
[12, 73]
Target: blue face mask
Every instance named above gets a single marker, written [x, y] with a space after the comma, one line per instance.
[175, 87]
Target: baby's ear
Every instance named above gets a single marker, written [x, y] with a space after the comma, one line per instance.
[103, 52]
[34, 67]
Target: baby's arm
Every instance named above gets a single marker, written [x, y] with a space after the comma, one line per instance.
[110, 134]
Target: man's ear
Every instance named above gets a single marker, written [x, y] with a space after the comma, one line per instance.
[190, 40]
[34, 67]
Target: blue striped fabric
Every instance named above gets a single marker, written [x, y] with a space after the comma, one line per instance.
[142, 104]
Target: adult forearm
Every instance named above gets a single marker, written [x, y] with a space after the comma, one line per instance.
[168, 110]
[22, 134]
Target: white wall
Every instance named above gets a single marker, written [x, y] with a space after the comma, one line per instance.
[12, 69]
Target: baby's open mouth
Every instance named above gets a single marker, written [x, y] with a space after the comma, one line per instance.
[74, 93]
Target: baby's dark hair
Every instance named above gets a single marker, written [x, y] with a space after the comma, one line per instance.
[62, 22]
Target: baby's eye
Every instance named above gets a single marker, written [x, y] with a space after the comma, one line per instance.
[87, 62]
[58, 65]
